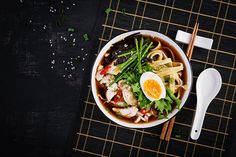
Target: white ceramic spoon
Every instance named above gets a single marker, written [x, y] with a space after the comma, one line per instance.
[208, 85]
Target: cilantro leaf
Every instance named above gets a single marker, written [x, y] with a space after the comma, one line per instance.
[108, 10]
[85, 36]
[70, 29]
[173, 97]
[123, 11]
[159, 105]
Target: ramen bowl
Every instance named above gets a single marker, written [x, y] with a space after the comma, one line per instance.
[178, 51]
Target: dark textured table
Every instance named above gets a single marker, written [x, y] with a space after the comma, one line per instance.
[47, 107]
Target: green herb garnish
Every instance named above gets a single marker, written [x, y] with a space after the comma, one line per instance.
[70, 29]
[173, 97]
[123, 11]
[108, 10]
[85, 36]
[177, 132]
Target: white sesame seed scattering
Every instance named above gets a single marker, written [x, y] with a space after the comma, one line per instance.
[67, 64]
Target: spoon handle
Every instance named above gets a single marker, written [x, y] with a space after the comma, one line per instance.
[198, 122]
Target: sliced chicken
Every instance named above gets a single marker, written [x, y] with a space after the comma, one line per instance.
[107, 79]
[110, 94]
[114, 70]
[111, 91]
[128, 95]
[143, 117]
[113, 87]
[126, 112]
[99, 76]
[118, 104]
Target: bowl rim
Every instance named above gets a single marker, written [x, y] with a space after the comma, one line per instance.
[119, 38]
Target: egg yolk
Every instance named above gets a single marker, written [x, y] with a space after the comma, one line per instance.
[152, 88]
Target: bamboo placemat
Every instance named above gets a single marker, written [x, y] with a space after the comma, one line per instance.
[98, 136]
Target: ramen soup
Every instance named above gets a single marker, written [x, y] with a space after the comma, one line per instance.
[141, 79]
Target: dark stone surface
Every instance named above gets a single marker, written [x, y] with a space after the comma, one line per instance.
[40, 104]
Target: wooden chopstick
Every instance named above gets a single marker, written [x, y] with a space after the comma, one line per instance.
[192, 40]
[164, 129]
[169, 124]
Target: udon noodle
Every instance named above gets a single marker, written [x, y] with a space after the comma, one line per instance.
[141, 79]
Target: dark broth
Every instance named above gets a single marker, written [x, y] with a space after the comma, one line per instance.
[119, 46]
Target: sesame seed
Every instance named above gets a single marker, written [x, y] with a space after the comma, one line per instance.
[86, 54]
[63, 61]
[53, 61]
[82, 49]
[61, 1]
[83, 69]
[71, 35]
[83, 58]
[67, 8]
[53, 53]
[72, 68]
[73, 4]
[74, 40]
[68, 62]
[65, 68]
[64, 75]
[78, 56]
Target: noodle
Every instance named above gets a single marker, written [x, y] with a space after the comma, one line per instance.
[166, 67]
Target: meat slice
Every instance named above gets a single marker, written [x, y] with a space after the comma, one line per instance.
[128, 95]
[126, 112]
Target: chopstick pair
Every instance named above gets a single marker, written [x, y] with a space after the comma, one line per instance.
[168, 126]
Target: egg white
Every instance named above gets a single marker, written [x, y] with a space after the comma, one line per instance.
[152, 76]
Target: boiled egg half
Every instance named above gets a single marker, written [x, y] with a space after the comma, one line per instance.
[152, 86]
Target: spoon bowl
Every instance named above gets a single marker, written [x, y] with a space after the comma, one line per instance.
[208, 85]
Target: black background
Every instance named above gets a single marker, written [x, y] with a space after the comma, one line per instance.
[41, 105]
